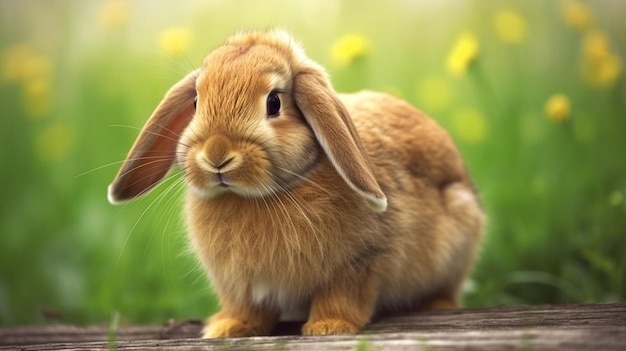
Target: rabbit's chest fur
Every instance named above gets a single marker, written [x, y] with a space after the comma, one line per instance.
[279, 247]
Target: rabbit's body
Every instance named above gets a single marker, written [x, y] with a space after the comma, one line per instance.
[279, 206]
[300, 240]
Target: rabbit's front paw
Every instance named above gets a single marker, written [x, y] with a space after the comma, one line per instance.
[329, 327]
[227, 328]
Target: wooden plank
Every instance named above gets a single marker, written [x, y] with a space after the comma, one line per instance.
[561, 327]
[69, 334]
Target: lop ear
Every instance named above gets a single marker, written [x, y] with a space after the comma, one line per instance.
[154, 151]
[334, 130]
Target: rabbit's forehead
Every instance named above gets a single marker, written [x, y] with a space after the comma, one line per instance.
[252, 71]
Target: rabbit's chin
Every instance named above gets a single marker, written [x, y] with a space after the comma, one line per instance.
[221, 189]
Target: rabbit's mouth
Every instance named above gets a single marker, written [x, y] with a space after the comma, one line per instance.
[221, 182]
[242, 169]
[217, 184]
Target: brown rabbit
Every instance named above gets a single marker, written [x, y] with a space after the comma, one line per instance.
[302, 200]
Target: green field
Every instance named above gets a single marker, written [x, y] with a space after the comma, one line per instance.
[532, 91]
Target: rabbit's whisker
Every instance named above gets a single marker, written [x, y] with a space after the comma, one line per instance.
[176, 138]
[98, 168]
[303, 178]
[280, 213]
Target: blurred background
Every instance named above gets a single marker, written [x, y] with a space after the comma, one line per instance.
[532, 91]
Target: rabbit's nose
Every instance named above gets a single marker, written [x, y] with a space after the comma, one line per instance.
[217, 165]
[225, 163]
[217, 154]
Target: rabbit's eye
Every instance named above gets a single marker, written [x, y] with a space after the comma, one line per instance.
[273, 104]
[195, 102]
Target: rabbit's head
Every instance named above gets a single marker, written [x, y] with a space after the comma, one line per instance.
[253, 120]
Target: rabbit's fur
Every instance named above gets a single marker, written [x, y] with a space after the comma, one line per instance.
[339, 206]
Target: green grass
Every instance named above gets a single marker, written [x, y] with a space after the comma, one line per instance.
[77, 78]
[113, 328]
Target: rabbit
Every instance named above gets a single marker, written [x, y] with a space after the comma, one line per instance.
[301, 201]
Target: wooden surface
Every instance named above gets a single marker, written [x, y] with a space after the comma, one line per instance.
[563, 327]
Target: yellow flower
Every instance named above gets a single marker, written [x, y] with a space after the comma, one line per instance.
[463, 54]
[470, 126]
[510, 27]
[175, 41]
[54, 142]
[558, 108]
[600, 65]
[33, 73]
[602, 73]
[576, 15]
[349, 48]
[596, 45]
[37, 97]
[115, 14]
[435, 93]
[20, 63]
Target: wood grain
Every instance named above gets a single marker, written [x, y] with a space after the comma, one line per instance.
[554, 327]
